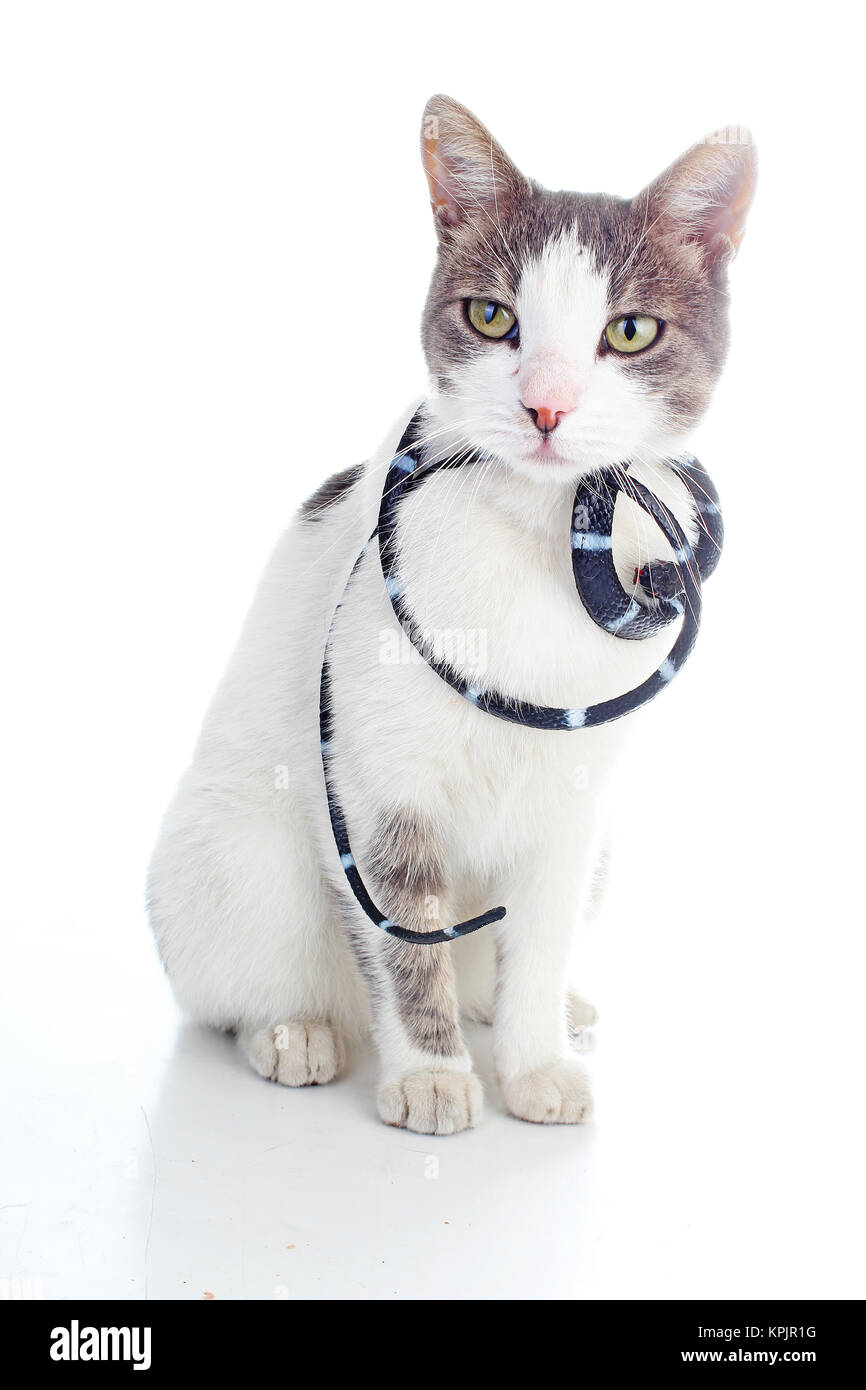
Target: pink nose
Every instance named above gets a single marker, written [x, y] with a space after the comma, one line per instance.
[547, 414]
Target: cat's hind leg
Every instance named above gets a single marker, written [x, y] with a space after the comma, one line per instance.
[251, 935]
[295, 1052]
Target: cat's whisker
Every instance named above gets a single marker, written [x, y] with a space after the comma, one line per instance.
[351, 523]
[689, 563]
[474, 224]
[654, 469]
[463, 481]
[681, 280]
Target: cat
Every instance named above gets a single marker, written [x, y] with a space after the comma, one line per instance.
[563, 333]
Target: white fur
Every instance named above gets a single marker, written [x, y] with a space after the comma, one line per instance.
[248, 896]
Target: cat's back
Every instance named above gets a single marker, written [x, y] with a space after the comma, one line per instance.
[269, 691]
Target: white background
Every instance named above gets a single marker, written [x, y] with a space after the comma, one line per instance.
[215, 250]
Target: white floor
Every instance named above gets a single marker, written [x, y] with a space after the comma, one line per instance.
[143, 1159]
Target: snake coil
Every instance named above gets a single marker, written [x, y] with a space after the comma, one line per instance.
[673, 589]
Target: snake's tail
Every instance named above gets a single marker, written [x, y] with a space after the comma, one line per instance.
[432, 938]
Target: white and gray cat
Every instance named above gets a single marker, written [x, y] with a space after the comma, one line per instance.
[563, 333]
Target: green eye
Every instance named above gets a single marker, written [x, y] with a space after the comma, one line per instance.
[632, 334]
[493, 320]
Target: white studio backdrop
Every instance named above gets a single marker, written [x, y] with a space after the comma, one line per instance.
[215, 251]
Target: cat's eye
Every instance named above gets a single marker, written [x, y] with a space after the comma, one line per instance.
[493, 320]
[632, 333]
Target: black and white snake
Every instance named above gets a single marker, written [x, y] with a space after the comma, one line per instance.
[668, 589]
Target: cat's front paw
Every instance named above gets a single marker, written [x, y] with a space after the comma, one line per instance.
[432, 1102]
[554, 1095]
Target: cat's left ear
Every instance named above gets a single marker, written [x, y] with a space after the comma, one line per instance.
[702, 200]
[470, 177]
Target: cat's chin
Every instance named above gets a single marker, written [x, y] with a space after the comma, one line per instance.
[553, 463]
[546, 466]
[545, 462]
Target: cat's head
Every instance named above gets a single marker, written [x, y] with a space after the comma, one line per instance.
[568, 331]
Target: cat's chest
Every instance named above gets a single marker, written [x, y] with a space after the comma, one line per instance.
[498, 600]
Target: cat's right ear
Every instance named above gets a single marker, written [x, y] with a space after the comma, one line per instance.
[701, 201]
[471, 178]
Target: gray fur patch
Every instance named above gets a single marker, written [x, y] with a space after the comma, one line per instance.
[406, 861]
[423, 979]
[331, 491]
[407, 866]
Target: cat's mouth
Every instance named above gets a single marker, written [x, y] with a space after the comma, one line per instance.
[559, 460]
[548, 452]
[551, 450]
[546, 449]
